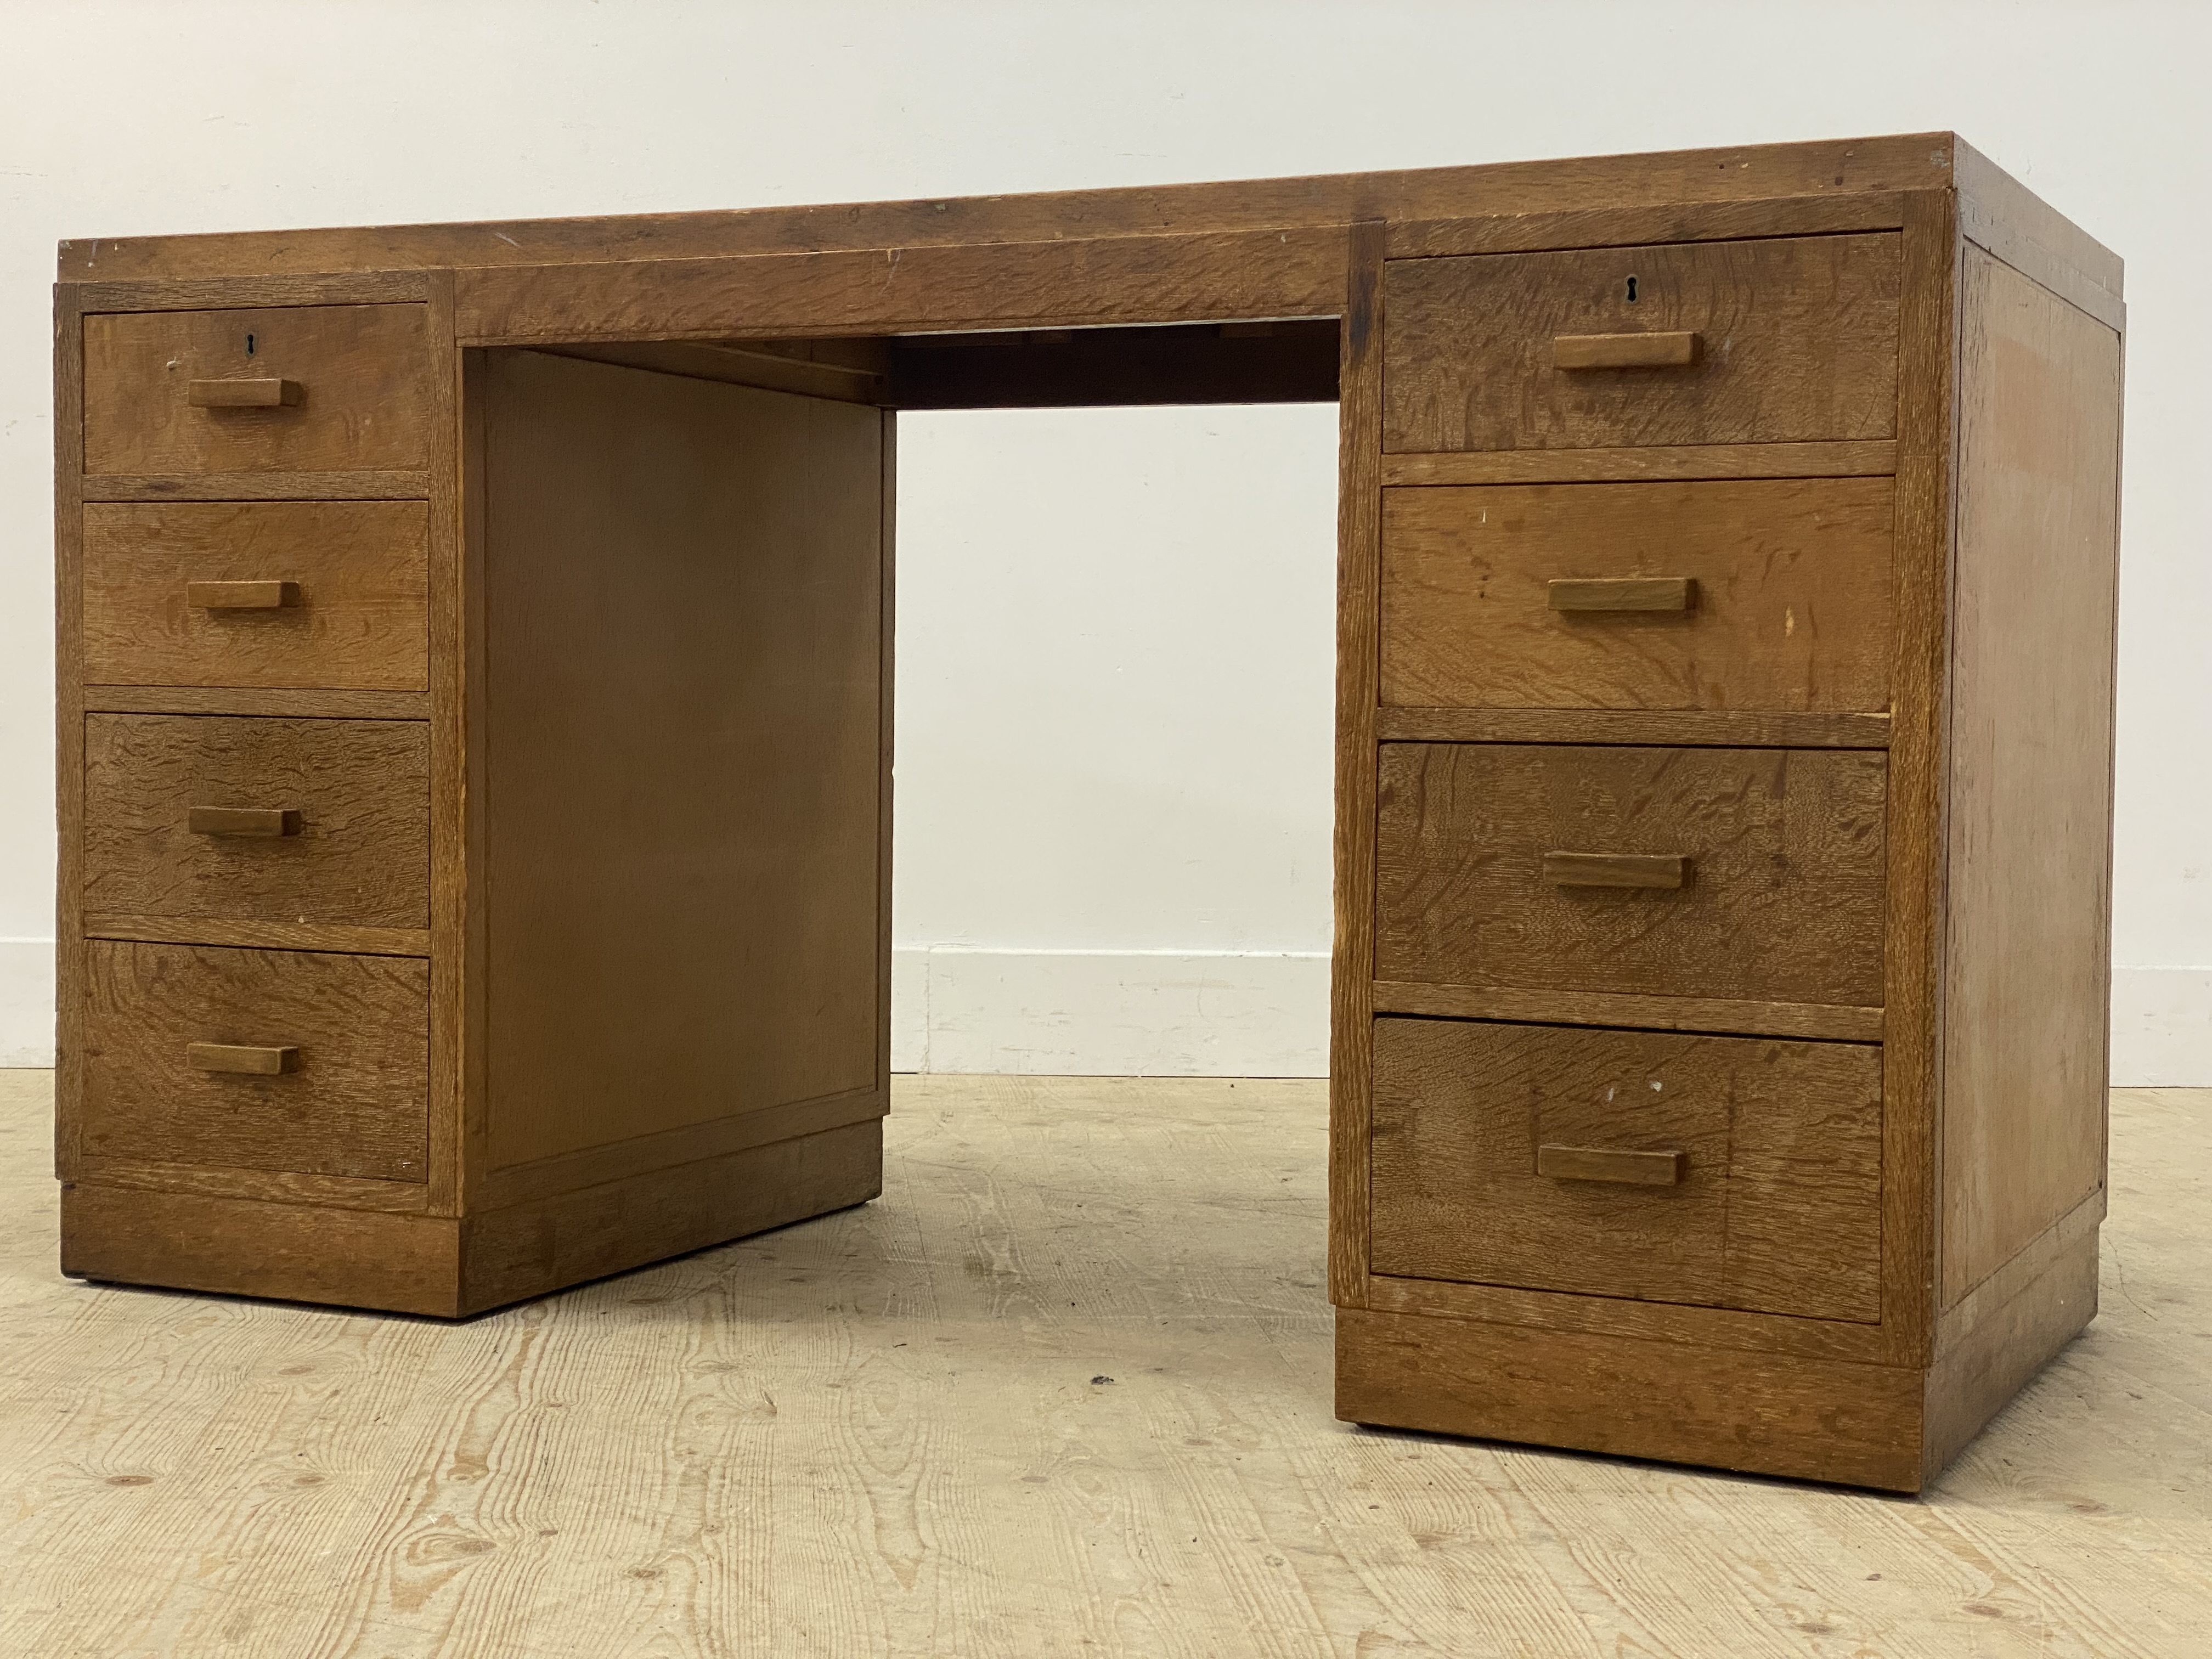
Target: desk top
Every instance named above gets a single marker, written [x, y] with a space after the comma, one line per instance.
[1848, 167]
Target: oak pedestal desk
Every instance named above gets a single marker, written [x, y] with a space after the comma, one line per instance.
[475, 739]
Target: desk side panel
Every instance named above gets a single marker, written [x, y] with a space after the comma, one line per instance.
[2028, 965]
[682, 721]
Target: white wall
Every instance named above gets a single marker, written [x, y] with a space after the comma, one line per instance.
[1114, 701]
[1117, 648]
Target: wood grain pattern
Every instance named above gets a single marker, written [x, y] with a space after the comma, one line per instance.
[354, 1106]
[1963, 1318]
[250, 1247]
[369, 485]
[244, 391]
[923, 1354]
[357, 618]
[1804, 334]
[452, 583]
[260, 935]
[1556, 1161]
[564, 1238]
[459, 785]
[723, 954]
[1593, 593]
[1787, 847]
[1359, 669]
[772, 366]
[2027, 980]
[249, 1059]
[1973, 1379]
[68, 729]
[287, 703]
[1702, 728]
[1661, 1014]
[363, 368]
[1862, 458]
[256, 821]
[269, 1185]
[254, 595]
[1685, 221]
[887, 745]
[1763, 1413]
[1999, 214]
[1639, 348]
[1918, 803]
[1658, 870]
[1778, 1208]
[231, 292]
[694, 1143]
[1839, 170]
[1061, 283]
[1790, 604]
[360, 790]
[1647, 1322]
[220, 1232]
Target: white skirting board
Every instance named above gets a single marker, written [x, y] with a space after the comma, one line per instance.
[1179, 1014]
[1109, 1013]
[2161, 1027]
[27, 1002]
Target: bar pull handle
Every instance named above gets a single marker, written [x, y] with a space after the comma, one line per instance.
[1608, 1164]
[242, 596]
[1624, 350]
[1616, 869]
[1623, 594]
[244, 394]
[242, 820]
[250, 1060]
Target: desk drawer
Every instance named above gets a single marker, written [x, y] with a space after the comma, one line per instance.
[256, 1060]
[341, 834]
[288, 389]
[1725, 1172]
[1743, 873]
[1788, 339]
[339, 595]
[1771, 594]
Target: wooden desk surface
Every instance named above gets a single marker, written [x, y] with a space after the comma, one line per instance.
[1752, 173]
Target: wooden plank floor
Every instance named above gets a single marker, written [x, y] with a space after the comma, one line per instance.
[1063, 1391]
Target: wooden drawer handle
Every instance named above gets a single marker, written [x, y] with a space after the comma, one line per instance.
[1623, 350]
[244, 394]
[242, 820]
[242, 596]
[251, 1059]
[1605, 1163]
[1623, 593]
[1616, 869]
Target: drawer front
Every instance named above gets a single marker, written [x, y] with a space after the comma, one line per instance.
[338, 595]
[1725, 1172]
[340, 388]
[252, 819]
[1750, 873]
[1772, 594]
[1795, 341]
[259, 1059]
